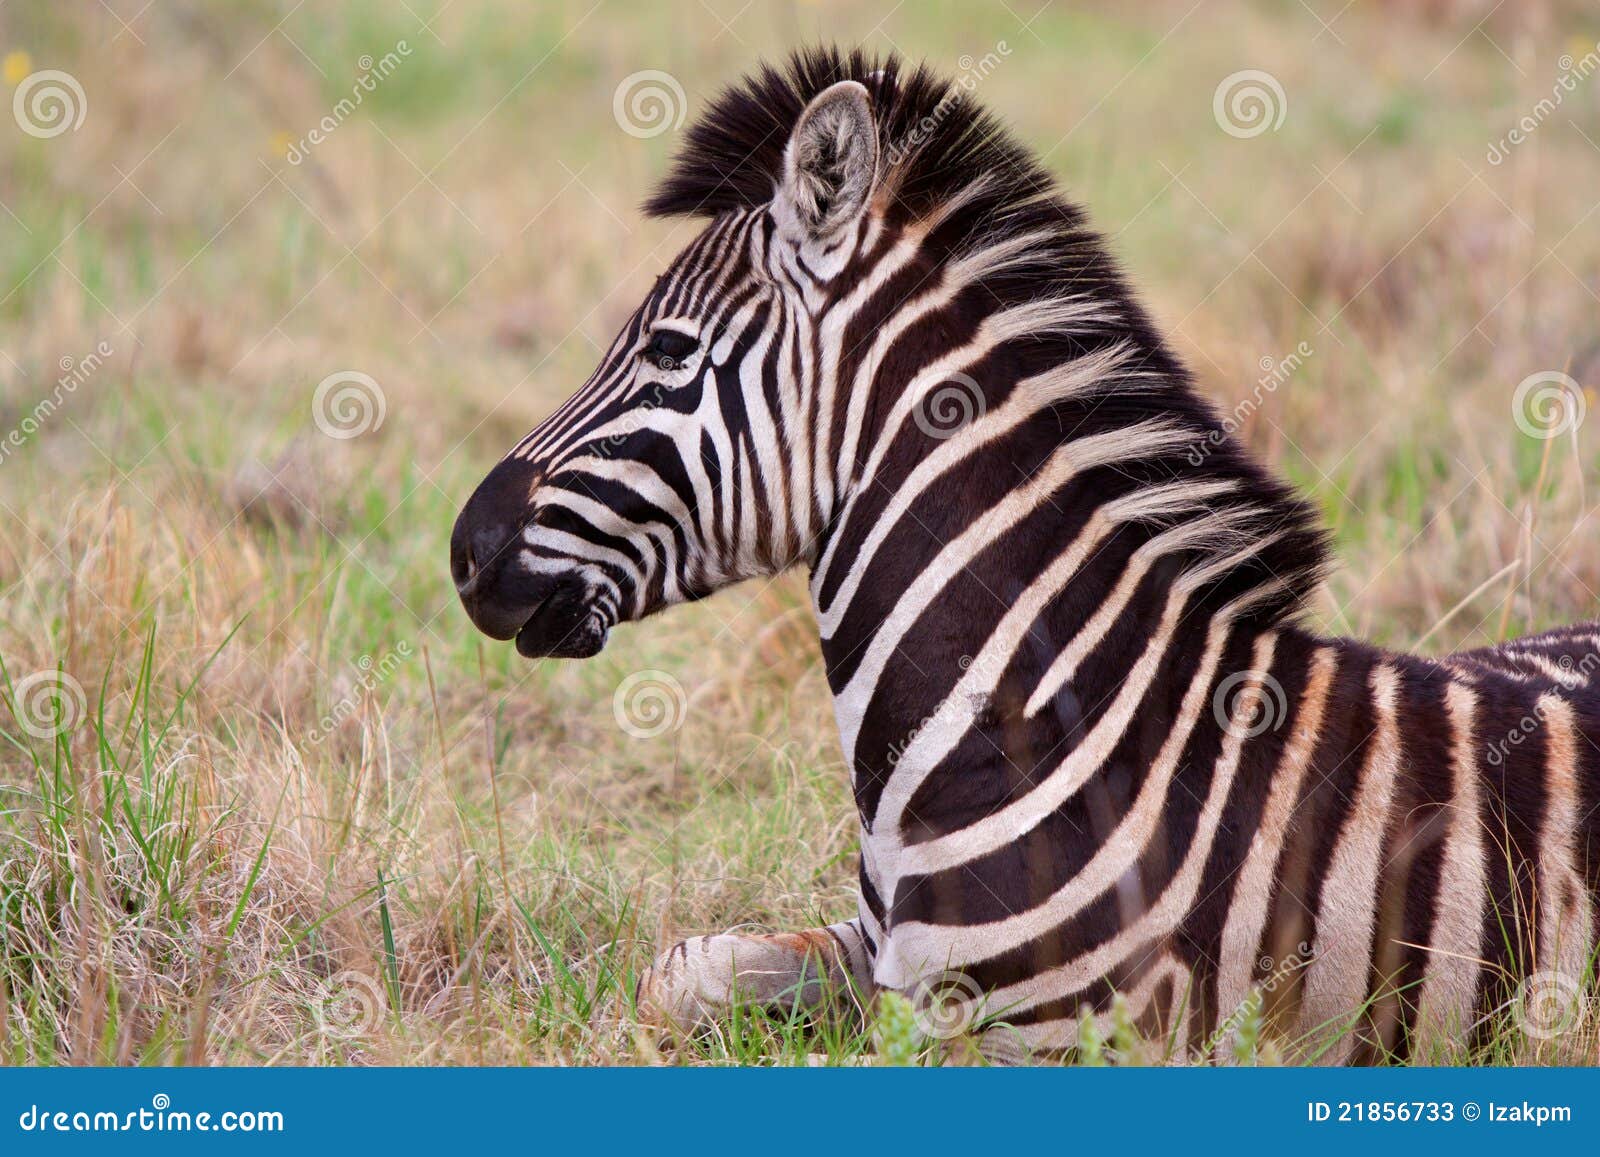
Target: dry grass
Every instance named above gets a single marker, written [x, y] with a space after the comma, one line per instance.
[298, 774]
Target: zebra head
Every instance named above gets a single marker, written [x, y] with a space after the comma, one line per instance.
[892, 324]
[670, 473]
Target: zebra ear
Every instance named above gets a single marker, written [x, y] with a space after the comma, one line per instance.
[830, 165]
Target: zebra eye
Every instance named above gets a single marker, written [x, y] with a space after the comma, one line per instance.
[669, 349]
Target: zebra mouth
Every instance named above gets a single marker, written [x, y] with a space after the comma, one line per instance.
[564, 625]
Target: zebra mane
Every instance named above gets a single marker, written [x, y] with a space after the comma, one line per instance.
[953, 168]
[932, 138]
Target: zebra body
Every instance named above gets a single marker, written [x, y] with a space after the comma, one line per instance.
[1091, 751]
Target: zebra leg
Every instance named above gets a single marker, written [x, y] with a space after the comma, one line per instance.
[703, 978]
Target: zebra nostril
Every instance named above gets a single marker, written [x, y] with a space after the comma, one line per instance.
[463, 565]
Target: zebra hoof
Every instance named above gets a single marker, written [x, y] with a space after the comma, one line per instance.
[703, 978]
[683, 991]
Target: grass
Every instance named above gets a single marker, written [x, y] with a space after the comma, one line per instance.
[265, 797]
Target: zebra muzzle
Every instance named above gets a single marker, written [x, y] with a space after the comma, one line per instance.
[550, 615]
[564, 624]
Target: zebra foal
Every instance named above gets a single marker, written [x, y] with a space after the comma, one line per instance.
[1091, 749]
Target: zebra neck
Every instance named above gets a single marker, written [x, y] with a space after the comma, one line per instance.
[998, 645]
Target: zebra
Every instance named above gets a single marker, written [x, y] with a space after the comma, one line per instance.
[1101, 767]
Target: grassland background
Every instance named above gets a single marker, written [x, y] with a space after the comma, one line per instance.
[306, 814]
